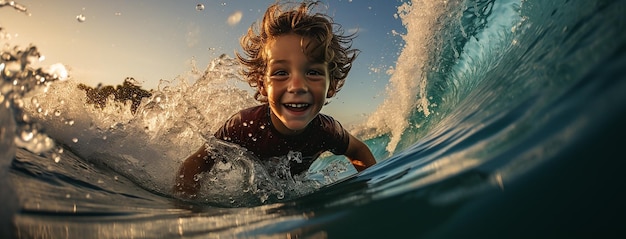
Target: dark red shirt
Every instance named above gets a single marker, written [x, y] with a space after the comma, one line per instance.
[252, 128]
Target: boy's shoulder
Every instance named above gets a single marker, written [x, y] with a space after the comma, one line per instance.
[241, 122]
[326, 118]
[254, 115]
[254, 112]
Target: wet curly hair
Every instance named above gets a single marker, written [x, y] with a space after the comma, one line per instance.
[328, 44]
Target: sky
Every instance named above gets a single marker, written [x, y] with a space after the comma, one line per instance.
[106, 41]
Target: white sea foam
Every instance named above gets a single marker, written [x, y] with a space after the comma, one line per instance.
[406, 91]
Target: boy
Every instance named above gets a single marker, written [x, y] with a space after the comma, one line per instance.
[295, 62]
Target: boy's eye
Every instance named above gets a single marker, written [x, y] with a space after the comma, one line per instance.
[315, 73]
[279, 73]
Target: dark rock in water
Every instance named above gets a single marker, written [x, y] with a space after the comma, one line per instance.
[121, 93]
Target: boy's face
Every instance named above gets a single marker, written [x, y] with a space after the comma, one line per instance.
[295, 86]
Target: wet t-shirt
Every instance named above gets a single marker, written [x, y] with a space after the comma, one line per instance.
[252, 128]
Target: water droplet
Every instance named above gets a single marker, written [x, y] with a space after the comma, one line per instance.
[234, 18]
[27, 136]
[200, 7]
[81, 18]
[88, 196]
[245, 124]
[264, 197]
[75, 140]
[56, 157]
[11, 69]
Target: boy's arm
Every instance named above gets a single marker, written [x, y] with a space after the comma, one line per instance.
[359, 154]
[197, 163]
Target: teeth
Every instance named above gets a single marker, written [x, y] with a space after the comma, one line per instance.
[297, 105]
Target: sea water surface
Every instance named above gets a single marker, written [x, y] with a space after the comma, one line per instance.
[504, 119]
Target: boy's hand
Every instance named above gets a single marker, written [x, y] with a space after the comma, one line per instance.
[359, 154]
[186, 184]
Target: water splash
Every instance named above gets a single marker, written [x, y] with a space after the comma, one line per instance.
[20, 79]
[406, 92]
[168, 126]
[249, 182]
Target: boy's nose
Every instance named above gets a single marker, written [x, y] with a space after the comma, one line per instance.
[297, 85]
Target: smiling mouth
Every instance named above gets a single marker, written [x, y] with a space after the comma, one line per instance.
[297, 107]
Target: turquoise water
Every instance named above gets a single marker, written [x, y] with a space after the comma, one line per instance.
[507, 126]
